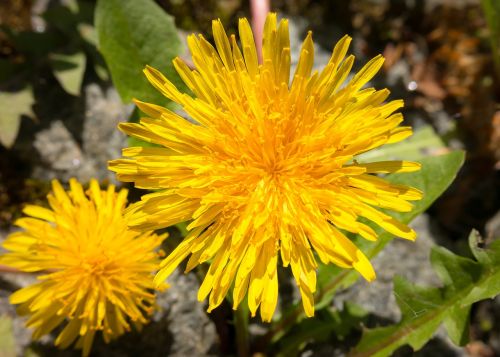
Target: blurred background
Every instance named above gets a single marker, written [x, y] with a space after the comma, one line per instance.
[59, 110]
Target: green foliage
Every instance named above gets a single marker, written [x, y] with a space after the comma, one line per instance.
[69, 70]
[14, 105]
[7, 345]
[131, 35]
[491, 10]
[67, 39]
[64, 48]
[424, 309]
[320, 328]
[437, 173]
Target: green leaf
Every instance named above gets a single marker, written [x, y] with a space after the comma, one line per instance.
[424, 309]
[69, 70]
[437, 173]
[34, 45]
[63, 18]
[132, 34]
[324, 323]
[7, 345]
[491, 272]
[423, 142]
[457, 323]
[14, 105]
[88, 34]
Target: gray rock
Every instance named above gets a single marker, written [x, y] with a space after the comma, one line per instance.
[102, 141]
[60, 155]
[377, 296]
[492, 227]
[63, 157]
[193, 332]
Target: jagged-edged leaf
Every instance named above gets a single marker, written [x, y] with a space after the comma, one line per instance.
[437, 173]
[424, 309]
[132, 34]
[14, 105]
[68, 70]
[490, 270]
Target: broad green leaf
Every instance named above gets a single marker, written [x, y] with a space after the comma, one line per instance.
[422, 143]
[14, 105]
[437, 173]
[424, 309]
[132, 34]
[7, 345]
[69, 70]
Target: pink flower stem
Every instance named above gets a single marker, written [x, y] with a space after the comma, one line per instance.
[259, 10]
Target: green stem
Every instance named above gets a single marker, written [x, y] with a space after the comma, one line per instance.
[241, 325]
[492, 13]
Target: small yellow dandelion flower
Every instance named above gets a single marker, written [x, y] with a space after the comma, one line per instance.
[97, 273]
[268, 169]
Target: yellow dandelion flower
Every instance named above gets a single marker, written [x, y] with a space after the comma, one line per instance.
[96, 272]
[267, 170]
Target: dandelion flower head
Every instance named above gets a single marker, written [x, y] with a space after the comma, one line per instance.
[96, 273]
[266, 171]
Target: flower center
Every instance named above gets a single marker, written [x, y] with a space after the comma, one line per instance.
[96, 266]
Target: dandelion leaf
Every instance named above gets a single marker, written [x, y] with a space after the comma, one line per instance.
[424, 309]
[132, 34]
